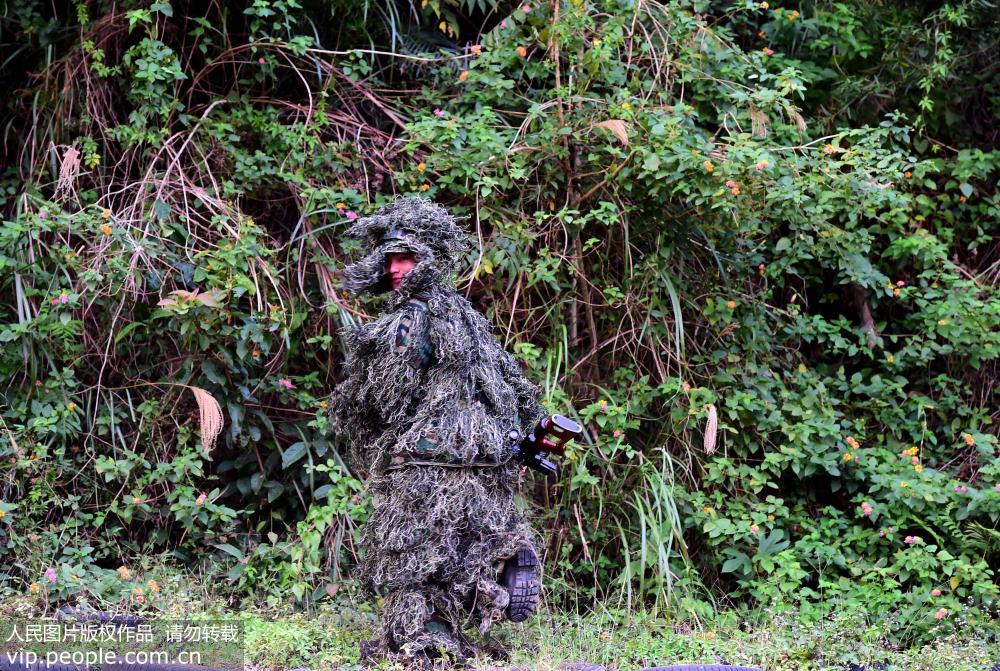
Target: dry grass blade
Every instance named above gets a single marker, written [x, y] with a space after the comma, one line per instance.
[711, 429]
[10, 435]
[211, 417]
[69, 168]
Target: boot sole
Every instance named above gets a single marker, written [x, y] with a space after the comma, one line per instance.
[520, 579]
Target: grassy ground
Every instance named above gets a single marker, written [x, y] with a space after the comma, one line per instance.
[329, 640]
[276, 639]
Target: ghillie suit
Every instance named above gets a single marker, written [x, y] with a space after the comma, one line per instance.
[429, 402]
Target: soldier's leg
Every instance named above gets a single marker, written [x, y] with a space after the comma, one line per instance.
[413, 626]
[508, 573]
[492, 602]
[510, 590]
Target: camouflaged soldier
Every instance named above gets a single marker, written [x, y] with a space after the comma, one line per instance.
[429, 403]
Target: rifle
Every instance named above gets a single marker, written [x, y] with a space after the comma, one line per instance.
[550, 435]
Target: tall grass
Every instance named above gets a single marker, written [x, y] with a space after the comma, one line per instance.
[653, 545]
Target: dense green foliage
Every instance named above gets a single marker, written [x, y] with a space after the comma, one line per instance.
[754, 248]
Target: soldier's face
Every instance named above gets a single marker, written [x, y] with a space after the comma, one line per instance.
[398, 264]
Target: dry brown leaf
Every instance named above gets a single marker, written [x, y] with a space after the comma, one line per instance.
[711, 429]
[759, 122]
[211, 417]
[210, 299]
[617, 127]
[800, 123]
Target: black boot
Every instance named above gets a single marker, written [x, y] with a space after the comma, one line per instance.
[520, 579]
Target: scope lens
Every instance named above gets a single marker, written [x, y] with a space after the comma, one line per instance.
[566, 424]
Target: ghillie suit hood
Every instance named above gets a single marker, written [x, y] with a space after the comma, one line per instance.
[428, 404]
[408, 224]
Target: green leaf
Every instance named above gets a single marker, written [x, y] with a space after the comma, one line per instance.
[274, 490]
[236, 570]
[131, 326]
[162, 7]
[294, 452]
[161, 209]
[737, 560]
[772, 544]
[229, 549]
[211, 371]
[732, 564]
